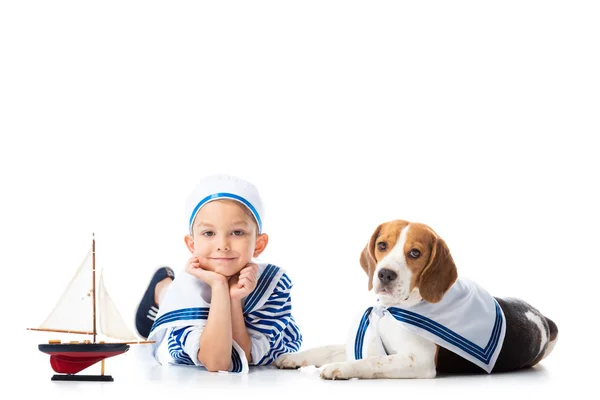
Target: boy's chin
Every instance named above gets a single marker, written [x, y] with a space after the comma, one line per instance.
[228, 271]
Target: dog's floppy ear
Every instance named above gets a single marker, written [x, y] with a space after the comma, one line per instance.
[439, 274]
[367, 257]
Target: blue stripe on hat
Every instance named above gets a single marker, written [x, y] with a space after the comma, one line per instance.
[224, 195]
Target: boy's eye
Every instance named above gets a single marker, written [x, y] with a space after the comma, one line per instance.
[208, 233]
[237, 233]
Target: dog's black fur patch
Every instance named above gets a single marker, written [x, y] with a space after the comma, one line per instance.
[521, 347]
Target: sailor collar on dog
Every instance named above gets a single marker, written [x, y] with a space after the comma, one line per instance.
[467, 321]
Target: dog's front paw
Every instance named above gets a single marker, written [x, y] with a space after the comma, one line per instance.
[336, 370]
[291, 361]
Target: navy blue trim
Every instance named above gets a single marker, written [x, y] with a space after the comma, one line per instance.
[360, 335]
[279, 312]
[224, 195]
[482, 354]
[236, 361]
[174, 344]
[181, 315]
[264, 281]
[179, 356]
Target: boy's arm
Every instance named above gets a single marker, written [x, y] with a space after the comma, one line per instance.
[241, 286]
[216, 339]
[239, 331]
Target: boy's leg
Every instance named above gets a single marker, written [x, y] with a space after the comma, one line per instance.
[161, 289]
[148, 307]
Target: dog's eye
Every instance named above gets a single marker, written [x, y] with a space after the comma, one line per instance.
[382, 246]
[414, 253]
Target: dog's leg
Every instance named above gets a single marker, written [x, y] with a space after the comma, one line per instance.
[410, 356]
[394, 366]
[318, 356]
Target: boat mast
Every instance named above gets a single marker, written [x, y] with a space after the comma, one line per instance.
[94, 281]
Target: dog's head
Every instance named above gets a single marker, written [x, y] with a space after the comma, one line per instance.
[407, 262]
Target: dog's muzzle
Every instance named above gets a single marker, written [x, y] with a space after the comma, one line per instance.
[386, 276]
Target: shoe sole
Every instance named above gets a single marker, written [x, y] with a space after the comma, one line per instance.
[142, 298]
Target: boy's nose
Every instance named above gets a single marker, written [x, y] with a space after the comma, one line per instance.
[223, 244]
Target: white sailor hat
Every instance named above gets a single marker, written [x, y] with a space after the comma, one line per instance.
[220, 186]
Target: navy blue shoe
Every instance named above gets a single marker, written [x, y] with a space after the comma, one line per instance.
[147, 310]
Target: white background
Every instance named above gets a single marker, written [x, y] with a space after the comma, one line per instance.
[478, 119]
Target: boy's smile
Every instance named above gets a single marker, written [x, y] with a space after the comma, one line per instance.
[224, 237]
[223, 259]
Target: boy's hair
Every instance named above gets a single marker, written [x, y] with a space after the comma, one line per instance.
[221, 187]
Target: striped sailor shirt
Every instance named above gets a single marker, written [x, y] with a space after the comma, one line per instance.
[267, 313]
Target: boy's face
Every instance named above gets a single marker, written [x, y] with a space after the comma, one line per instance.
[225, 237]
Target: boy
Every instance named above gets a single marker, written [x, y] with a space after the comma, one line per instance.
[226, 311]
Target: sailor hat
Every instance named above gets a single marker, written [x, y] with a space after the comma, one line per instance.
[219, 187]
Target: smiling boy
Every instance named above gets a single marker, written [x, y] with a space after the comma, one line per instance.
[226, 311]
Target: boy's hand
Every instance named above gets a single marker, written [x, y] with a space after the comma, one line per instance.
[209, 277]
[242, 284]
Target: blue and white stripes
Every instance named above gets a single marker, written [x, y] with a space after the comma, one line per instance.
[265, 281]
[274, 321]
[467, 321]
[268, 318]
[176, 343]
[482, 354]
[186, 314]
[360, 334]
[183, 344]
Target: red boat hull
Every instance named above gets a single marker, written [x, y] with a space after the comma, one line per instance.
[71, 358]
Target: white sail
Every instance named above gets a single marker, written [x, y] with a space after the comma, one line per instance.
[111, 324]
[74, 310]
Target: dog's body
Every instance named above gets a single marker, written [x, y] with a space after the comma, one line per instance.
[407, 264]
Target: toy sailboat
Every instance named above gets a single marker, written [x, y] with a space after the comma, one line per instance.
[87, 311]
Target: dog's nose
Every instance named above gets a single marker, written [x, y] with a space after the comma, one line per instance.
[386, 276]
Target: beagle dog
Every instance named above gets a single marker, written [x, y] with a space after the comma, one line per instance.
[427, 320]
